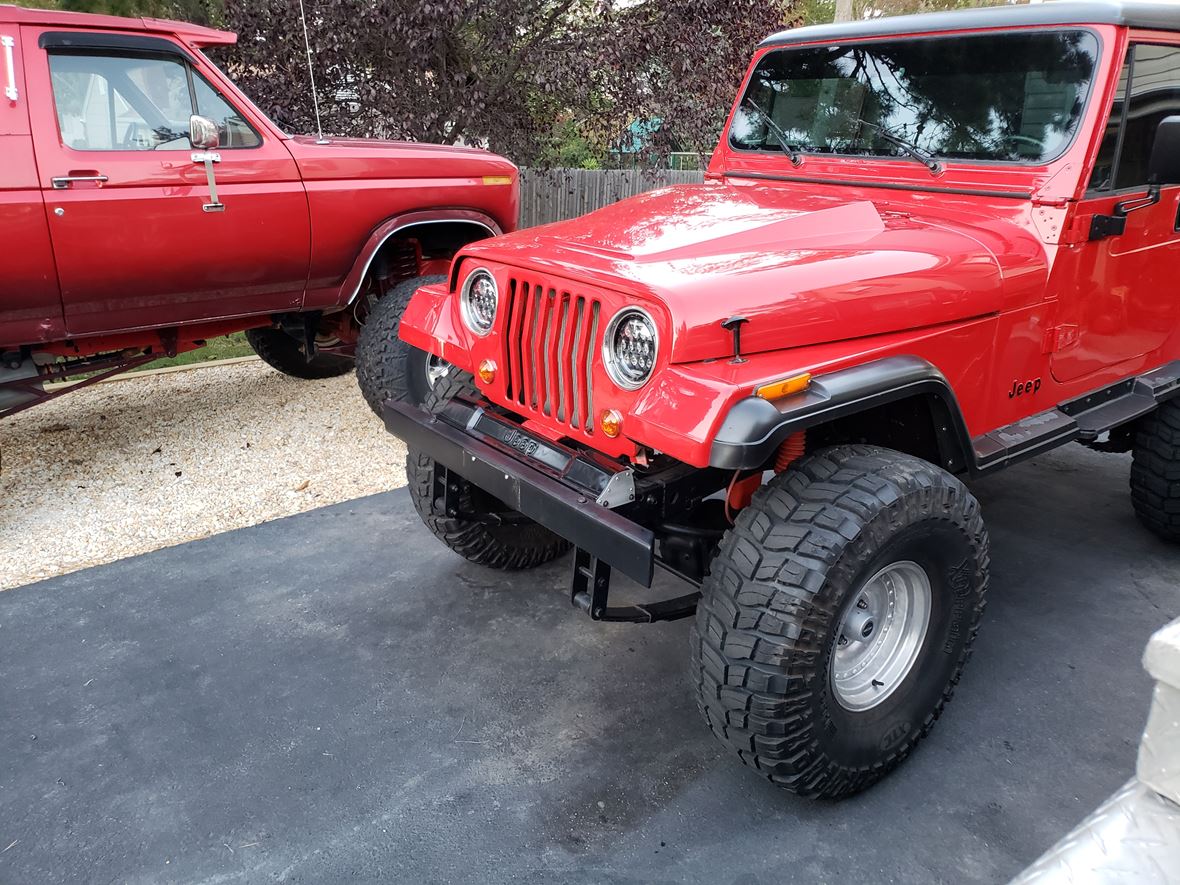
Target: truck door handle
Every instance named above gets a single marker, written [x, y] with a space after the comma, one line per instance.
[61, 182]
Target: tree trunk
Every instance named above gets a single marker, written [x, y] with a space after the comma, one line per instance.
[843, 10]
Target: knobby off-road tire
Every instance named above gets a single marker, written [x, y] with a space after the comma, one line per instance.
[783, 590]
[386, 367]
[516, 543]
[280, 351]
[1155, 471]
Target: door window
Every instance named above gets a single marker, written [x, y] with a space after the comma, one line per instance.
[111, 102]
[1149, 90]
[235, 131]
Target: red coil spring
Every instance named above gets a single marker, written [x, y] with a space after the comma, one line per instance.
[791, 450]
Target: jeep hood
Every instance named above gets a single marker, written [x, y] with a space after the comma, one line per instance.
[803, 268]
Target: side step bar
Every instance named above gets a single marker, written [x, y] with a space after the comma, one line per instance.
[1084, 418]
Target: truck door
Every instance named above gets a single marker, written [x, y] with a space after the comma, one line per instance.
[134, 244]
[30, 302]
[1127, 302]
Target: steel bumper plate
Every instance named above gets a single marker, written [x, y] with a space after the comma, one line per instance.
[567, 511]
[1132, 837]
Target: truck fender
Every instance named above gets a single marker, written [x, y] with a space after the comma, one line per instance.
[399, 224]
[754, 428]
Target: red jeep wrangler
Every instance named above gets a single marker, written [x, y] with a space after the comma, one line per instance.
[928, 247]
[146, 205]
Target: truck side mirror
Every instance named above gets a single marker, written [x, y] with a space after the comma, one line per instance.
[202, 132]
[1164, 165]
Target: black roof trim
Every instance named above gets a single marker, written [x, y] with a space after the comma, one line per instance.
[1129, 13]
[109, 41]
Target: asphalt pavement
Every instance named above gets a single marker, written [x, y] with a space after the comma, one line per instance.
[336, 697]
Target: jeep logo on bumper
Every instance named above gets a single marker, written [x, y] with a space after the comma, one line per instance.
[526, 445]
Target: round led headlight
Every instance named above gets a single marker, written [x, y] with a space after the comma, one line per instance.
[478, 301]
[629, 348]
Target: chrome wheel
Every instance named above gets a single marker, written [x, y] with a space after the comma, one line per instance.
[880, 635]
[436, 368]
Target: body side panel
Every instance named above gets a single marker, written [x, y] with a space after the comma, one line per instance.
[356, 189]
[30, 299]
[138, 251]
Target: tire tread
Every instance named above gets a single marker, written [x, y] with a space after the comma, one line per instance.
[758, 639]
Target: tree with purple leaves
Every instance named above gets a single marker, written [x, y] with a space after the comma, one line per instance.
[517, 76]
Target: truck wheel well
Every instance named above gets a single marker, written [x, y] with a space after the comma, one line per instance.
[920, 425]
[419, 249]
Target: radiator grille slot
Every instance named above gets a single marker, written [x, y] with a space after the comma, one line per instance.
[548, 351]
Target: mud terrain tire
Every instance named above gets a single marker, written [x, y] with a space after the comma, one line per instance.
[516, 542]
[783, 588]
[386, 367]
[1155, 471]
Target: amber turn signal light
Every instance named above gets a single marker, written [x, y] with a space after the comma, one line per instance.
[779, 389]
[612, 423]
[487, 371]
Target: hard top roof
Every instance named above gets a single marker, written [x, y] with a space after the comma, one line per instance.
[53, 18]
[1161, 16]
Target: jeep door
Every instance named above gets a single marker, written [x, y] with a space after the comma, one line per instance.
[134, 244]
[1123, 304]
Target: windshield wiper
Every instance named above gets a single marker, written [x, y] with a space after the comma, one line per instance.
[791, 150]
[909, 147]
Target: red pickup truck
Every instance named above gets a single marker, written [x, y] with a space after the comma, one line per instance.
[146, 205]
[928, 247]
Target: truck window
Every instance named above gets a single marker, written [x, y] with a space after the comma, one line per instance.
[235, 131]
[1153, 74]
[110, 102]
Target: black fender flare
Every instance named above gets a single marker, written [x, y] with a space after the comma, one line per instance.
[754, 428]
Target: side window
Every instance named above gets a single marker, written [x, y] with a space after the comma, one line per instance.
[235, 131]
[121, 103]
[1154, 94]
[1102, 176]
[109, 102]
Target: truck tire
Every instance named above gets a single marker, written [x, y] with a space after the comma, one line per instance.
[1155, 471]
[837, 617]
[508, 540]
[280, 351]
[386, 367]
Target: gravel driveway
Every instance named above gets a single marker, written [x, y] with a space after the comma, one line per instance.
[148, 461]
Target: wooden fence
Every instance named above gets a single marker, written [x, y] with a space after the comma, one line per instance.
[557, 194]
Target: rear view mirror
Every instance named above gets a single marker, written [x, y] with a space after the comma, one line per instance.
[202, 132]
[1164, 165]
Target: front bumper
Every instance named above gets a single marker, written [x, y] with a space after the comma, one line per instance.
[545, 482]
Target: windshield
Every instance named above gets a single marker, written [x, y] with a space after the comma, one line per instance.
[1015, 96]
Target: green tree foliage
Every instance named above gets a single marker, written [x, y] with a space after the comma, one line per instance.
[814, 12]
[203, 12]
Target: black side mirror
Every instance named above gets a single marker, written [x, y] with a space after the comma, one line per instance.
[1164, 165]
